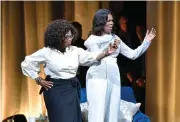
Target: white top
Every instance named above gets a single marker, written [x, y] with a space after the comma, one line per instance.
[57, 64]
[107, 69]
[100, 43]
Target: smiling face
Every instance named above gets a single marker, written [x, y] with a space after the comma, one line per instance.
[109, 24]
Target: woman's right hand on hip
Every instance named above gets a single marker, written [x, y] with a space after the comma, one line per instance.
[44, 83]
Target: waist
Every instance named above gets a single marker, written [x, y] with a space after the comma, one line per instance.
[62, 81]
[64, 75]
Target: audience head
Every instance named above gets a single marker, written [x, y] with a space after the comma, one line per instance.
[123, 23]
[140, 32]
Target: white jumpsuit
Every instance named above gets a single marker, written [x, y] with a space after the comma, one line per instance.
[103, 78]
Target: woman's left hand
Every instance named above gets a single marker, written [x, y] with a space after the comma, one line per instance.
[150, 35]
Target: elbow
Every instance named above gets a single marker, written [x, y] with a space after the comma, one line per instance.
[23, 65]
[132, 57]
[23, 68]
[25, 71]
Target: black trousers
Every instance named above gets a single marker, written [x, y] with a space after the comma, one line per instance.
[62, 100]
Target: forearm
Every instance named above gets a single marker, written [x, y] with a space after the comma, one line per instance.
[101, 56]
[134, 54]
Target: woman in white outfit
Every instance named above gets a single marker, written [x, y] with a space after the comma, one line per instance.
[103, 78]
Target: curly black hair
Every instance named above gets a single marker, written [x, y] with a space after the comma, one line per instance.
[99, 21]
[55, 34]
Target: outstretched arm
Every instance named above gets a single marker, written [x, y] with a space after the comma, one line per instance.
[134, 54]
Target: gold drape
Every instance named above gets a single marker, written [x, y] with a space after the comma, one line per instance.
[81, 10]
[23, 25]
[163, 62]
[0, 68]
[84, 12]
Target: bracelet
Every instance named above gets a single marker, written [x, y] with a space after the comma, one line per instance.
[38, 80]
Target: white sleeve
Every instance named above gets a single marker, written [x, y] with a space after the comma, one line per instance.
[87, 58]
[94, 48]
[134, 54]
[30, 66]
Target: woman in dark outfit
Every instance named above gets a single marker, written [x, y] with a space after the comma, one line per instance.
[61, 61]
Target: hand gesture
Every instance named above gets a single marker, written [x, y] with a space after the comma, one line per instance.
[112, 47]
[150, 35]
[117, 42]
